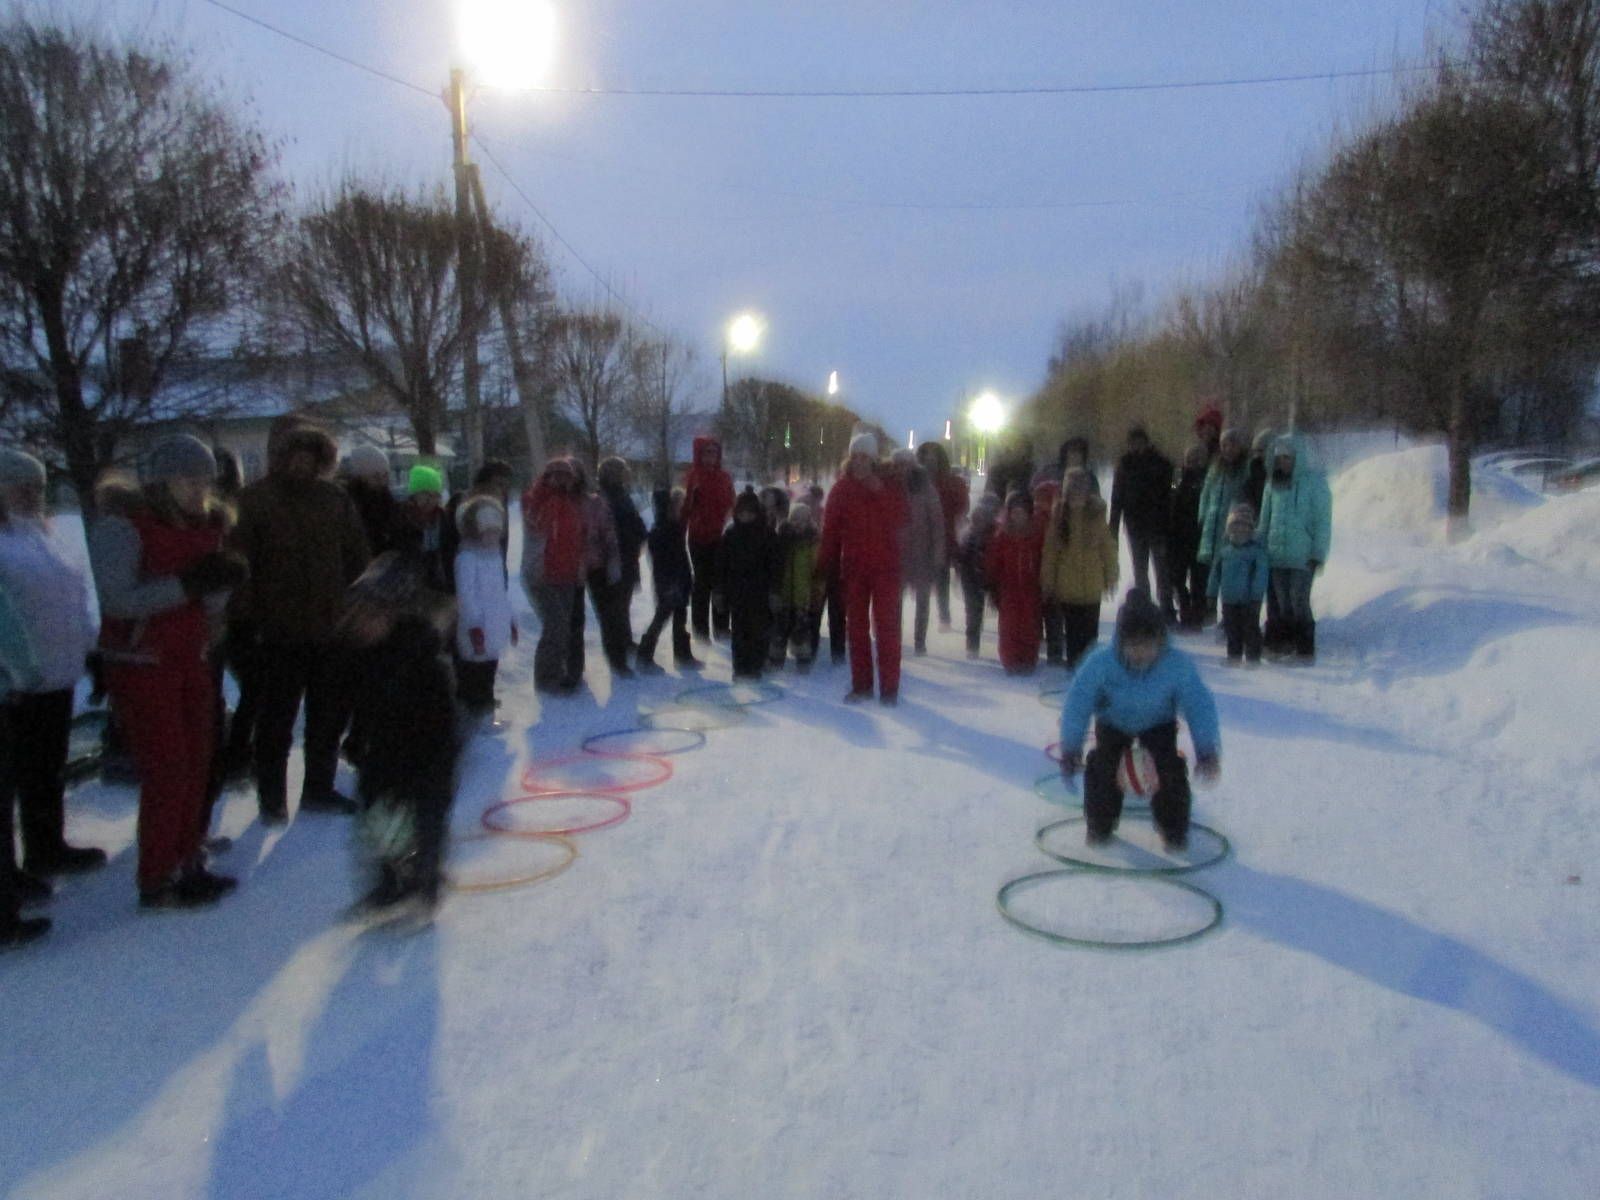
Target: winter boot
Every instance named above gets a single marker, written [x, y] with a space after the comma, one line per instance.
[18, 931]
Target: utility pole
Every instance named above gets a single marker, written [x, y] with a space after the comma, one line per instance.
[466, 268]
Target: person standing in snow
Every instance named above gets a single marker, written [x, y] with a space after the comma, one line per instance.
[1297, 530]
[1239, 576]
[955, 498]
[616, 624]
[1255, 493]
[366, 476]
[19, 669]
[163, 579]
[707, 504]
[1046, 492]
[494, 479]
[1188, 576]
[553, 520]
[861, 530]
[1012, 568]
[1208, 430]
[922, 545]
[51, 596]
[673, 579]
[1226, 481]
[419, 532]
[1074, 452]
[1079, 566]
[1135, 689]
[797, 615]
[406, 778]
[747, 565]
[303, 540]
[484, 624]
[972, 554]
[1141, 494]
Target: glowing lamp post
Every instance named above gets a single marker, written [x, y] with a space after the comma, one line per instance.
[987, 415]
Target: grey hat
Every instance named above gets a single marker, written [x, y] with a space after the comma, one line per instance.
[367, 460]
[179, 457]
[18, 468]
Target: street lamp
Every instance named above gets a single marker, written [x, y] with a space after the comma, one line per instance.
[507, 44]
[988, 416]
[743, 335]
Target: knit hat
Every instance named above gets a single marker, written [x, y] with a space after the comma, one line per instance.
[19, 468]
[425, 479]
[1209, 415]
[1241, 515]
[179, 457]
[864, 443]
[748, 501]
[367, 460]
[800, 513]
[1139, 618]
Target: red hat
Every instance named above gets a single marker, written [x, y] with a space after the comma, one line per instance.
[1209, 415]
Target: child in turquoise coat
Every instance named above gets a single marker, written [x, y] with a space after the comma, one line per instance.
[1239, 578]
[1135, 689]
[1297, 529]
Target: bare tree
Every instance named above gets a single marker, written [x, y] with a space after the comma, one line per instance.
[663, 389]
[593, 365]
[135, 212]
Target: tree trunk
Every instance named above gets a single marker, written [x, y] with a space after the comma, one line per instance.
[1460, 450]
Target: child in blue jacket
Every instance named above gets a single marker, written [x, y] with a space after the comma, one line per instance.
[1239, 576]
[1135, 689]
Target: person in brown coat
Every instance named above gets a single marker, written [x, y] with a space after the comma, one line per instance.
[303, 540]
[1079, 565]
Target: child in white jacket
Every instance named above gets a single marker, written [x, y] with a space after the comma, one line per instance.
[484, 624]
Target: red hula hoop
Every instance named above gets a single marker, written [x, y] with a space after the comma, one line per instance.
[1052, 752]
[532, 786]
[624, 809]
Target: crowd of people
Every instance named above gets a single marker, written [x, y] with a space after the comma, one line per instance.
[385, 618]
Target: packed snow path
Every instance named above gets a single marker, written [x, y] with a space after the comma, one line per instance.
[784, 975]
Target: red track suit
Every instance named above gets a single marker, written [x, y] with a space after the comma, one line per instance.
[1011, 566]
[861, 532]
[165, 697]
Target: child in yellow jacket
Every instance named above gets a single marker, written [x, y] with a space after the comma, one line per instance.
[1079, 566]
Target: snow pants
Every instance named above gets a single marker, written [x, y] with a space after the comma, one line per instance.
[1293, 588]
[289, 672]
[475, 684]
[748, 619]
[703, 559]
[560, 609]
[1147, 550]
[838, 630]
[41, 728]
[973, 598]
[168, 714]
[1055, 619]
[1242, 624]
[1019, 628]
[1102, 798]
[679, 616]
[1081, 629]
[613, 603]
[872, 602]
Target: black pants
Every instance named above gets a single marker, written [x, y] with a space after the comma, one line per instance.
[10, 900]
[1272, 633]
[612, 604]
[1054, 617]
[972, 595]
[679, 616]
[1242, 624]
[560, 609]
[288, 673]
[1102, 799]
[41, 727]
[1189, 576]
[941, 594]
[1080, 630]
[703, 559]
[838, 630]
[921, 592]
[475, 684]
[242, 652]
[749, 619]
[796, 629]
[1147, 550]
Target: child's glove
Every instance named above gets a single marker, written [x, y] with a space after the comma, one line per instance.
[1208, 769]
[1071, 764]
[477, 640]
[515, 636]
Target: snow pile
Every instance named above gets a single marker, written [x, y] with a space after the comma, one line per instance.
[1562, 534]
[1404, 492]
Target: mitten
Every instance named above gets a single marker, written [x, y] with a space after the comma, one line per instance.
[1208, 769]
[1071, 763]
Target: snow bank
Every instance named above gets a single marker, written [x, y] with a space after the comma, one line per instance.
[1562, 534]
[1405, 491]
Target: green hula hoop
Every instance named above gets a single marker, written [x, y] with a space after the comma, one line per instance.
[1223, 849]
[1003, 897]
[765, 693]
[1042, 788]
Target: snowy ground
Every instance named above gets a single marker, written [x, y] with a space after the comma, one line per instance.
[785, 975]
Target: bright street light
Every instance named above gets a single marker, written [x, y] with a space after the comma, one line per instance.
[744, 333]
[987, 414]
[833, 383]
[507, 43]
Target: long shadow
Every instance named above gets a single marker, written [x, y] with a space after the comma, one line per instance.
[166, 995]
[1268, 718]
[1003, 758]
[364, 1103]
[1396, 953]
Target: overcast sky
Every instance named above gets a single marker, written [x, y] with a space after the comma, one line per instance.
[923, 248]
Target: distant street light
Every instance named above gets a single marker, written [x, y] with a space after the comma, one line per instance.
[988, 416]
[833, 384]
[743, 335]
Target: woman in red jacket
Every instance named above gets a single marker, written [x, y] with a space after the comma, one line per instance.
[861, 530]
[163, 578]
[1011, 566]
[553, 561]
[707, 504]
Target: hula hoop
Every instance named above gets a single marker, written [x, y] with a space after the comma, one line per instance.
[1003, 896]
[1223, 848]
[1041, 789]
[695, 717]
[1050, 752]
[695, 736]
[624, 808]
[532, 787]
[1051, 698]
[766, 693]
[516, 881]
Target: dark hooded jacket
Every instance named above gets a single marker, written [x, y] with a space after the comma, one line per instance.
[748, 560]
[669, 556]
[303, 540]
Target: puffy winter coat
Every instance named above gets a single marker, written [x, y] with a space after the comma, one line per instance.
[1183, 533]
[955, 497]
[1296, 523]
[554, 535]
[305, 545]
[747, 564]
[669, 557]
[1141, 492]
[625, 519]
[922, 547]
[1224, 487]
[51, 597]
[145, 615]
[405, 699]
[707, 493]
[862, 526]
[1080, 566]
[1105, 689]
[1011, 563]
[19, 670]
[1239, 573]
[482, 603]
[797, 558]
[379, 512]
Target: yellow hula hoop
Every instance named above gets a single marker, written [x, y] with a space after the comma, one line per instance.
[517, 881]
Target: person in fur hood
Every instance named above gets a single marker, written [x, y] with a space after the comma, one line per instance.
[303, 541]
[1079, 566]
[484, 626]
